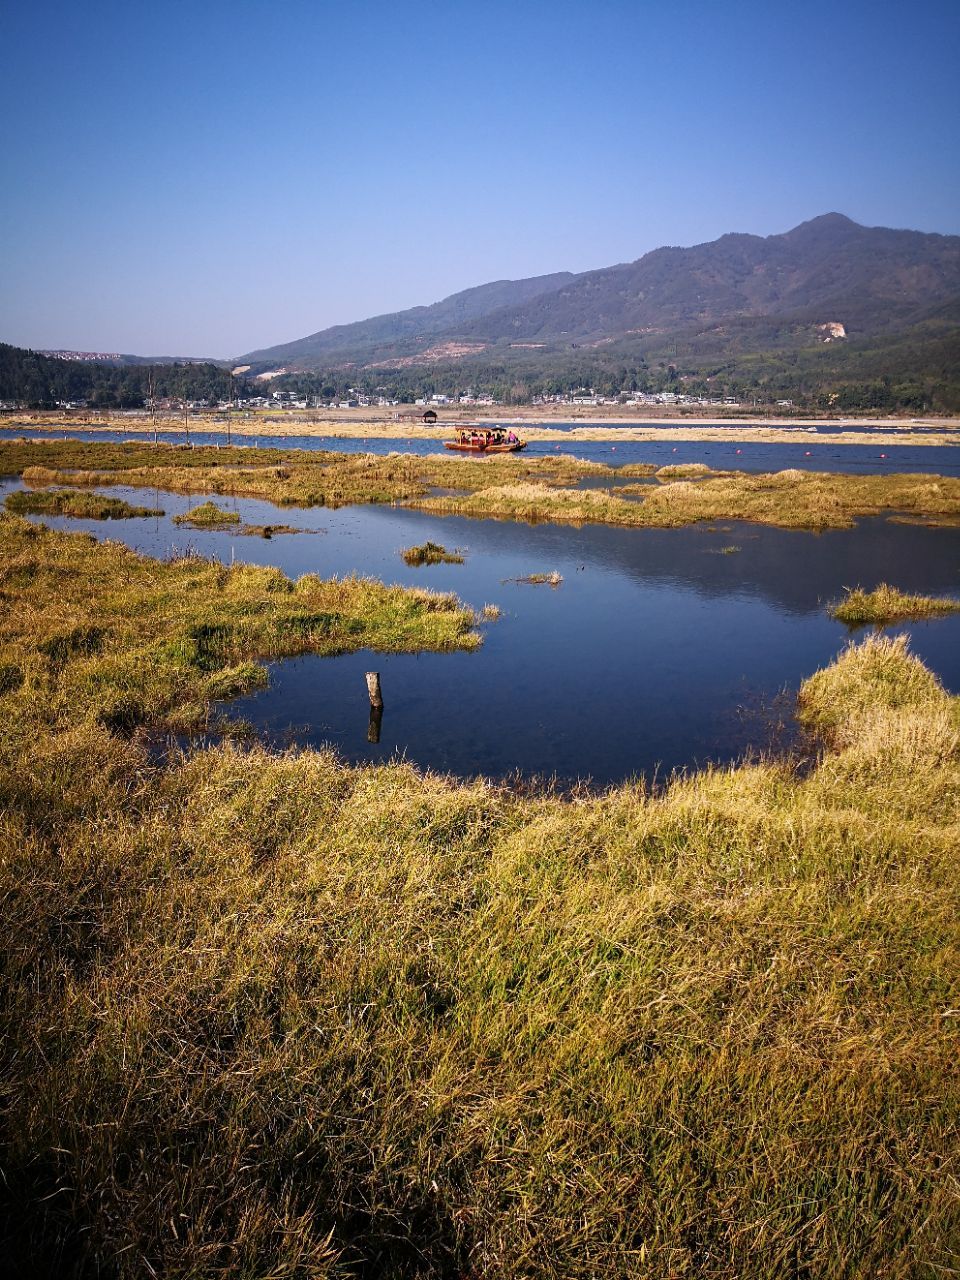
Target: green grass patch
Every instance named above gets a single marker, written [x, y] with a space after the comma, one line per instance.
[886, 604]
[75, 503]
[207, 516]
[98, 632]
[430, 553]
[880, 673]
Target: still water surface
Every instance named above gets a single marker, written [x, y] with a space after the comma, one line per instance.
[658, 651]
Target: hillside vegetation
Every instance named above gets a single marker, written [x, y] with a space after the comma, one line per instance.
[742, 316]
[269, 1015]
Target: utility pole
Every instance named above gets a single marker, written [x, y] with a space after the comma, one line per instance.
[152, 392]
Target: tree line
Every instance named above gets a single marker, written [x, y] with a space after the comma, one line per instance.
[916, 374]
[36, 381]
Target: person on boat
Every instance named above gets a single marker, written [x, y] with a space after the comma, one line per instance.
[511, 437]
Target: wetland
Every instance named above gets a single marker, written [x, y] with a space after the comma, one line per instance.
[659, 648]
[283, 1000]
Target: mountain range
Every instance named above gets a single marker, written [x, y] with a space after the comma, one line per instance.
[826, 280]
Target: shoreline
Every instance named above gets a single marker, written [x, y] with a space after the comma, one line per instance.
[365, 424]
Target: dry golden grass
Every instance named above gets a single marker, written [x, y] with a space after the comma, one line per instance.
[505, 486]
[791, 499]
[96, 630]
[885, 604]
[269, 1015]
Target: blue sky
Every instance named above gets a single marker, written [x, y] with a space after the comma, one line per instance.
[208, 177]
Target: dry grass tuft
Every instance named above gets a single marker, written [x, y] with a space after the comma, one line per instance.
[207, 516]
[430, 553]
[886, 605]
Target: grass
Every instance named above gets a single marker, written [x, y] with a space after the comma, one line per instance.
[541, 579]
[505, 486]
[288, 477]
[99, 631]
[791, 499]
[683, 471]
[270, 530]
[430, 553]
[207, 516]
[270, 1015]
[70, 502]
[879, 674]
[886, 604]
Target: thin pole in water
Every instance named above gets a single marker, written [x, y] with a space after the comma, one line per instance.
[373, 688]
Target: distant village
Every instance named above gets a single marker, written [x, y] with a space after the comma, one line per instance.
[357, 399]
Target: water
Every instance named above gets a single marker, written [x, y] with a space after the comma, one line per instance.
[658, 651]
[734, 454]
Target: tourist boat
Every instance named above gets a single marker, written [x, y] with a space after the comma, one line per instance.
[485, 440]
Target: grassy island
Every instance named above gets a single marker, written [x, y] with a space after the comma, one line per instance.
[268, 1014]
[208, 516]
[430, 553]
[507, 486]
[886, 604]
[75, 503]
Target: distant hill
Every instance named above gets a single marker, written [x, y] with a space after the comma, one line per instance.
[382, 334]
[116, 357]
[872, 281]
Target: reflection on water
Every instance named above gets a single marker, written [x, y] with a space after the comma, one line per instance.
[655, 653]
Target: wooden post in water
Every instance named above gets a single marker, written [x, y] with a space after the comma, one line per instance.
[373, 688]
[376, 706]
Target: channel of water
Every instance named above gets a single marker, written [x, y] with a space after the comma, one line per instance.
[660, 649]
